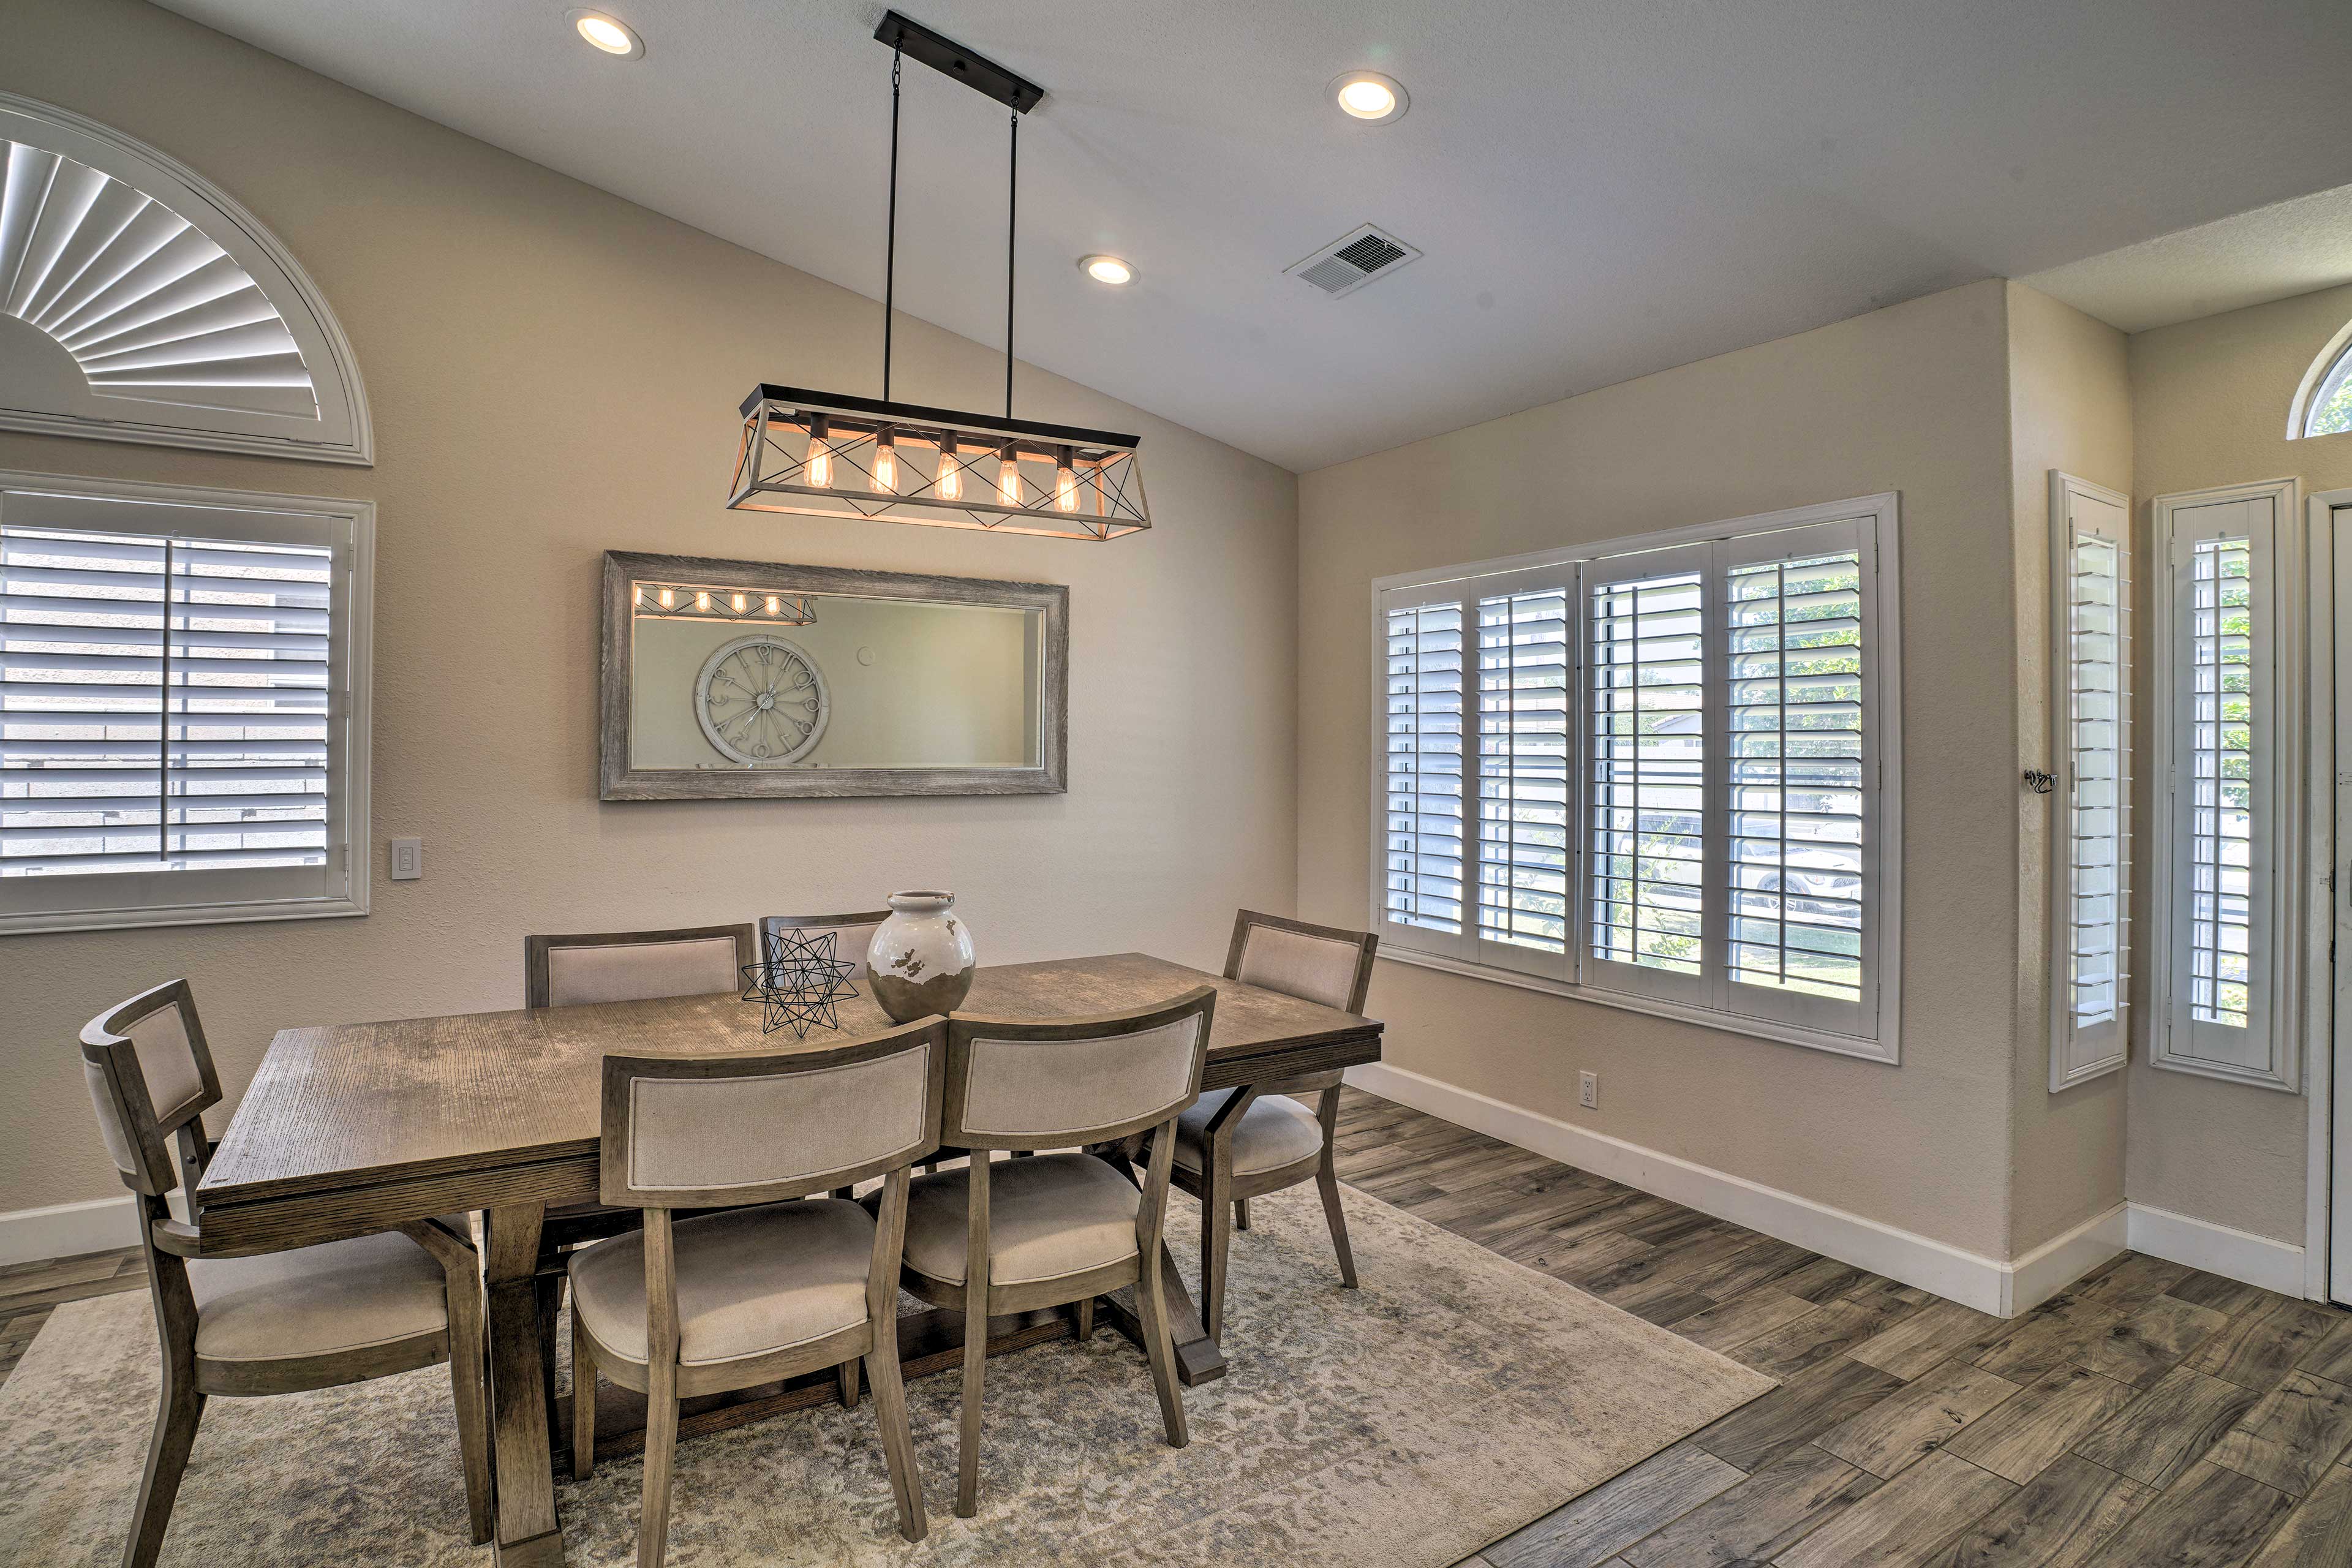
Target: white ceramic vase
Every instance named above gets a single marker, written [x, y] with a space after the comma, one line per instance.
[921, 959]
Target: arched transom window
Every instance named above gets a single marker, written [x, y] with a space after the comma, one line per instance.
[2323, 405]
[138, 302]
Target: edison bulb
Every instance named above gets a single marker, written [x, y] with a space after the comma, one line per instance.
[1066, 483]
[819, 466]
[950, 480]
[886, 464]
[1008, 479]
[668, 599]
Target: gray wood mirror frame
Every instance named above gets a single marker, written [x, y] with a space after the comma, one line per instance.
[733, 679]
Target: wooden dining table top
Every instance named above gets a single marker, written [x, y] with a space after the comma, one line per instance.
[343, 1104]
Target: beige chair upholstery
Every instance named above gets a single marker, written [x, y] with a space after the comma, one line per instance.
[167, 1060]
[749, 1281]
[1275, 1131]
[317, 1301]
[853, 935]
[1066, 1088]
[713, 1135]
[1047, 1218]
[639, 971]
[1315, 968]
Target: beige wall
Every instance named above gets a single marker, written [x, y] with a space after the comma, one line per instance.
[554, 372]
[906, 685]
[1912, 399]
[2070, 409]
[2209, 407]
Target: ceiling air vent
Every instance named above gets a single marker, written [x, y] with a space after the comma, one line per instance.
[1352, 260]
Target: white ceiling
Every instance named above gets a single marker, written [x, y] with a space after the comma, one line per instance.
[2271, 253]
[1604, 188]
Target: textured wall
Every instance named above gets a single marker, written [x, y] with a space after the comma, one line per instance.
[2209, 407]
[1912, 398]
[554, 372]
[2070, 409]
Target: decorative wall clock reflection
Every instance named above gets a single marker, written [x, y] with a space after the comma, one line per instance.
[762, 701]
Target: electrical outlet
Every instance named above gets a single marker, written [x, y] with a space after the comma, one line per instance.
[1588, 1090]
[407, 859]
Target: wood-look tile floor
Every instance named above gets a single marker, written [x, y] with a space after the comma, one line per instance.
[2150, 1416]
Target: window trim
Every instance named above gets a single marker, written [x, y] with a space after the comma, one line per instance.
[2298, 413]
[1879, 517]
[2063, 1072]
[355, 551]
[2287, 737]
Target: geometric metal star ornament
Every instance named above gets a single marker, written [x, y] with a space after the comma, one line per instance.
[828, 454]
[799, 982]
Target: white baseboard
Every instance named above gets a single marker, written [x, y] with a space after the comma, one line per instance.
[65, 1230]
[2218, 1249]
[1988, 1284]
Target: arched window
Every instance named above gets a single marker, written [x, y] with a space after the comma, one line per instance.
[2323, 404]
[138, 302]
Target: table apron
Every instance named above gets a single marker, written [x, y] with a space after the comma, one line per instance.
[1272, 1065]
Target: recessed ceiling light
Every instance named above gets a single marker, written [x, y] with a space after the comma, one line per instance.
[1107, 269]
[606, 33]
[1371, 96]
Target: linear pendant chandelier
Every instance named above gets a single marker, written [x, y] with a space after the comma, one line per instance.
[827, 454]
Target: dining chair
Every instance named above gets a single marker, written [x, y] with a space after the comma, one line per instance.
[1236, 1144]
[778, 1282]
[241, 1321]
[853, 934]
[1058, 1228]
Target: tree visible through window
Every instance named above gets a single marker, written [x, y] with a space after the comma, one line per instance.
[2331, 404]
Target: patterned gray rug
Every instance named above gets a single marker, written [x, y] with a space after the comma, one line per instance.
[1454, 1398]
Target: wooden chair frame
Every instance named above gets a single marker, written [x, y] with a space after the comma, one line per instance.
[661, 1378]
[1225, 1193]
[190, 1380]
[1143, 1270]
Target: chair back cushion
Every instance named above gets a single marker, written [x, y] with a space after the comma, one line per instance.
[1310, 965]
[852, 934]
[150, 1073]
[1046, 1085]
[704, 1132]
[637, 967]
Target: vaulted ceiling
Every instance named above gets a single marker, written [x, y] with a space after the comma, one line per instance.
[1604, 188]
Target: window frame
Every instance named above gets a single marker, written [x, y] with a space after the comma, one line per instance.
[348, 527]
[1877, 519]
[2306, 393]
[2076, 1055]
[2280, 584]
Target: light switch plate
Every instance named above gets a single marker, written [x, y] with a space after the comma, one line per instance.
[407, 859]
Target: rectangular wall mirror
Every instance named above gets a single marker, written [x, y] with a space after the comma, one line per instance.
[728, 678]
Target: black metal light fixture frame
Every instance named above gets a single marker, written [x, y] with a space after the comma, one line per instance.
[827, 454]
[650, 601]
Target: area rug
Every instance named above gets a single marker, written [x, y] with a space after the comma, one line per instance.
[1454, 1398]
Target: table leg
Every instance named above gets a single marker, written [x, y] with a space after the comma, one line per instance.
[529, 1535]
[1198, 1359]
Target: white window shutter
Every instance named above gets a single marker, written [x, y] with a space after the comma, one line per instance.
[1524, 669]
[2090, 856]
[1423, 895]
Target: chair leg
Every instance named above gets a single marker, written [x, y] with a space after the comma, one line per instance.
[898, 1440]
[550, 1288]
[661, 1454]
[1327, 1178]
[1085, 1327]
[975, 1361]
[846, 1375]
[1240, 1213]
[1216, 1238]
[1152, 1306]
[469, 1393]
[583, 1403]
[176, 1414]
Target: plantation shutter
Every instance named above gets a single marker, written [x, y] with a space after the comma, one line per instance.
[1427, 834]
[2090, 595]
[1652, 729]
[174, 697]
[1523, 761]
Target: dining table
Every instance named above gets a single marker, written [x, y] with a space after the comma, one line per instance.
[350, 1129]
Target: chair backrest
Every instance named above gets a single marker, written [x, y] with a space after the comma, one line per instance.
[852, 934]
[635, 965]
[1023, 1083]
[150, 1074]
[711, 1131]
[1314, 963]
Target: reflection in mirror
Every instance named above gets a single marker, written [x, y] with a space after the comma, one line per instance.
[724, 678]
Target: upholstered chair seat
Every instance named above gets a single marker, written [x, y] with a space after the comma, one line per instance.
[750, 1281]
[1273, 1131]
[318, 1300]
[1048, 1219]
